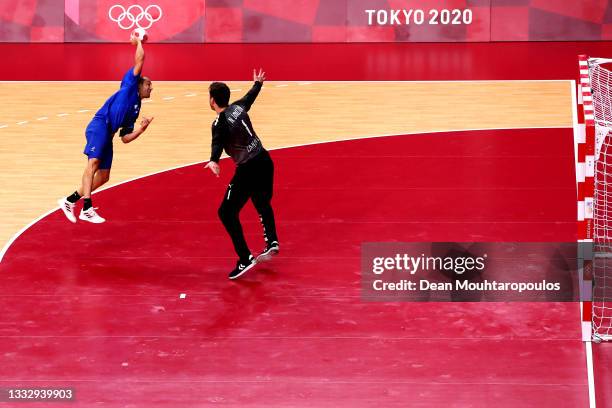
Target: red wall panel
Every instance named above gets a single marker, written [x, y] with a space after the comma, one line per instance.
[282, 62]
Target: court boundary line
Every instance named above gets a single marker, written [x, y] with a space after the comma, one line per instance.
[590, 373]
[10, 242]
[204, 81]
[274, 85]
[588, 347]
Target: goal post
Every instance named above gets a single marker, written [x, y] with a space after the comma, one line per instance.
[594, 187]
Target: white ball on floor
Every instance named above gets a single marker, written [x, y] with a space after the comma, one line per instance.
[183, 296]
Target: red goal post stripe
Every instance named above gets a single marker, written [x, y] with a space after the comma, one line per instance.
[585, 172]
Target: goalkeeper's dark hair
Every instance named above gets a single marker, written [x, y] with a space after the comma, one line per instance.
[220, 93]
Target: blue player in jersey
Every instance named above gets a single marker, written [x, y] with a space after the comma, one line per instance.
[120, 111]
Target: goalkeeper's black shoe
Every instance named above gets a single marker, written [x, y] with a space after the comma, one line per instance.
[269, 251]
[241, 267]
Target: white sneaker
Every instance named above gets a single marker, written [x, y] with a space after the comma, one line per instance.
[91, 216]
[68, 208]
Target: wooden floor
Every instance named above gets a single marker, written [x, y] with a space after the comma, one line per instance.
[42, 125]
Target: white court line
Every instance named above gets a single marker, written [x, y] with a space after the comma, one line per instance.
[10, 242]
[168, 98]
[590, 373]
[588, 348]
[305, 83]
[281, 86]
[313, 82]
[18, 234]
[237, 90]
[575, 122]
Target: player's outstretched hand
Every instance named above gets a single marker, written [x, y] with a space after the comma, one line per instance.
[259, 77]
[134, 40]
[214, 167]
[145, 122]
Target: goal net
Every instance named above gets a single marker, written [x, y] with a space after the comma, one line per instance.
[597, 111]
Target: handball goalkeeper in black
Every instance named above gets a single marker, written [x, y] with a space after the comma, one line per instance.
[233, 132]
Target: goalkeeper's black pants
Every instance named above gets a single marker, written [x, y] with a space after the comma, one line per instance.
[253, 179]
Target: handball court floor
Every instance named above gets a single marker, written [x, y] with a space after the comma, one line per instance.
[97, 308]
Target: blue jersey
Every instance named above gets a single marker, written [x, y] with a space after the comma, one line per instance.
[122, 109]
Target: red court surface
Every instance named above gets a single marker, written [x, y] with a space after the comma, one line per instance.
[97, 307]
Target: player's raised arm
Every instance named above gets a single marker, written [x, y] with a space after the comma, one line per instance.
[139, 57]
[249, 98]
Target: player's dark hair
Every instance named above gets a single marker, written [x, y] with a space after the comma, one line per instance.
[220, 93]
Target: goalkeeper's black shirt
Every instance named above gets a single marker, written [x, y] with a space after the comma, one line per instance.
[233, 132]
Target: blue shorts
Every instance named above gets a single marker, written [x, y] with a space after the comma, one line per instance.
[99, 143]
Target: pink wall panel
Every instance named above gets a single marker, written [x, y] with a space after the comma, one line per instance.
[551, 20]
[418, 20]
[32, 21]
[113, 20]
[305, 21]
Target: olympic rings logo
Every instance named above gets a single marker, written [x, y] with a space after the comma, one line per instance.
[134, 15]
